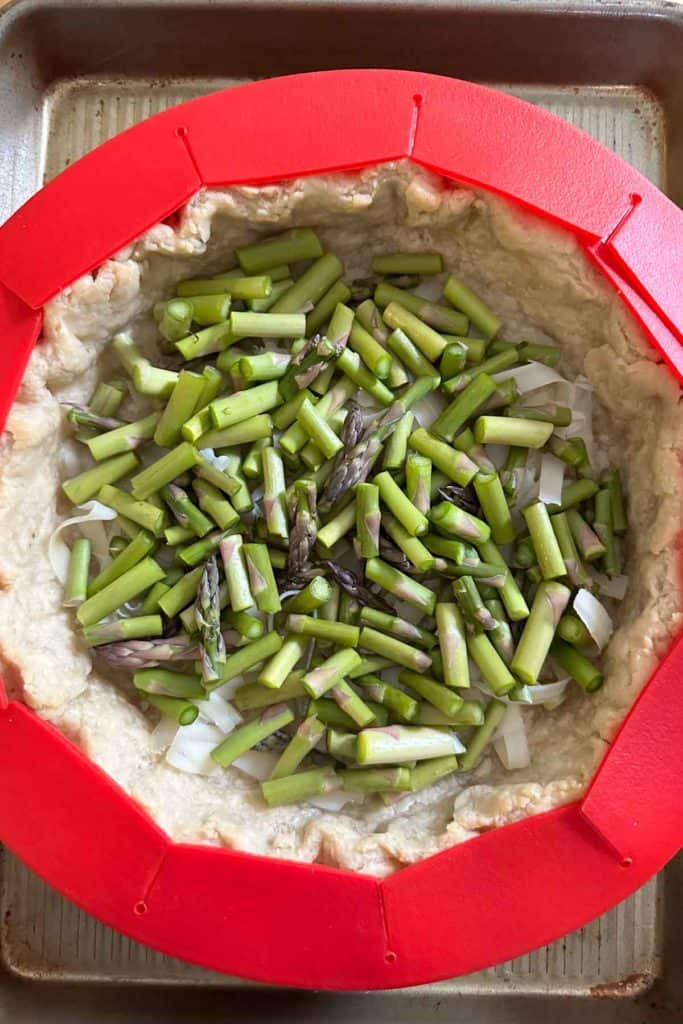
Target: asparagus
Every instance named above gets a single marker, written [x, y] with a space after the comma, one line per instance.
[261, 578]
[143, 544]
[428, 772]
[574, 569]
[398, 744]
[274, 493]
[215, 505]
[76, 586]
[456, 521]
[312, 597]
[290, 247]
[246, 657]
[434, 692]
[464, 407]
[418, 481]
[613, 483]
[602, 524]
[232, 409]
[375, 780]
[512, 430]
[586, 539]
[440, 317]
[164, 471]
[324, 308]
[308, 734]
[292, 788]
[108, 397]
[124, 651]
[456, 465]
[549, 603]
[232, 554]
[279, 668]
[400, 585]
[430, 343]
[121, 590]
[471, 604]
[478, 742]
[398, 703]
[124, 438]
[408, 263]
[407, 514]
[584, 672]
[368, 519]
[352, 704]
[184, 712]
[501, 635]
[397, 651]
[464, 299]
[252, 696]
[452, 643]
[247, 736]
[489, 491]
[208, 619]
[332, 632]
[85, 486]
[572, 629]
[397, 627]
[545, 543]
[510, 594]
[350, 364]
[161, 681]
[453, 359]
[311, 286]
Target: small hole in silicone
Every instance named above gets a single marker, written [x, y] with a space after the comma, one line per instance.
[140, 908]
[182, 132]
[635, 198]
[626, 862]
[417, 99]
[390, 957]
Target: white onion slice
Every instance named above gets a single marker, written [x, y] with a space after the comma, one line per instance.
[527, 487]
[191, 748]
[430, 287]
[163, 735]
[228, 690]
[258, 764]
[511, 742]
[458, 746]
[531, 376]
[191, 756]
[217, 461]
[540, 693]
[551, 480]
[335, 800]
[94, 514]
[594, 617]
[614, 587]
[219, 712]
[429, 408]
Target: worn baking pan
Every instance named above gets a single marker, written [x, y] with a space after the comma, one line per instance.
[94, 844]
[63, 116]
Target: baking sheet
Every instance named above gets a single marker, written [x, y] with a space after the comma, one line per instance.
[70, 77]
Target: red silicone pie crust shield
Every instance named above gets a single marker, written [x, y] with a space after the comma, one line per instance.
[301, 924]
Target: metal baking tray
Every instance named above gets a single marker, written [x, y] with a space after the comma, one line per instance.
[72, 74]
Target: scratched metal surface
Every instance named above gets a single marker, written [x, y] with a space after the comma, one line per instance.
[72, 74]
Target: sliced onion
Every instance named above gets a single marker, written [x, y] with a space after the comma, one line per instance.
[527, 488]
[163, 734]
[335, 800]
[228, 690]
[551, 480]
[258, 764]
[219, 712]
[531, 376]
[191, 756]
[217, 461]
[511, 743]
[430, 287]
[541, 693]
[428, 408]
[614, 587]
[191, 748]
[94, 514]
[458, 746]
[594, 617]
